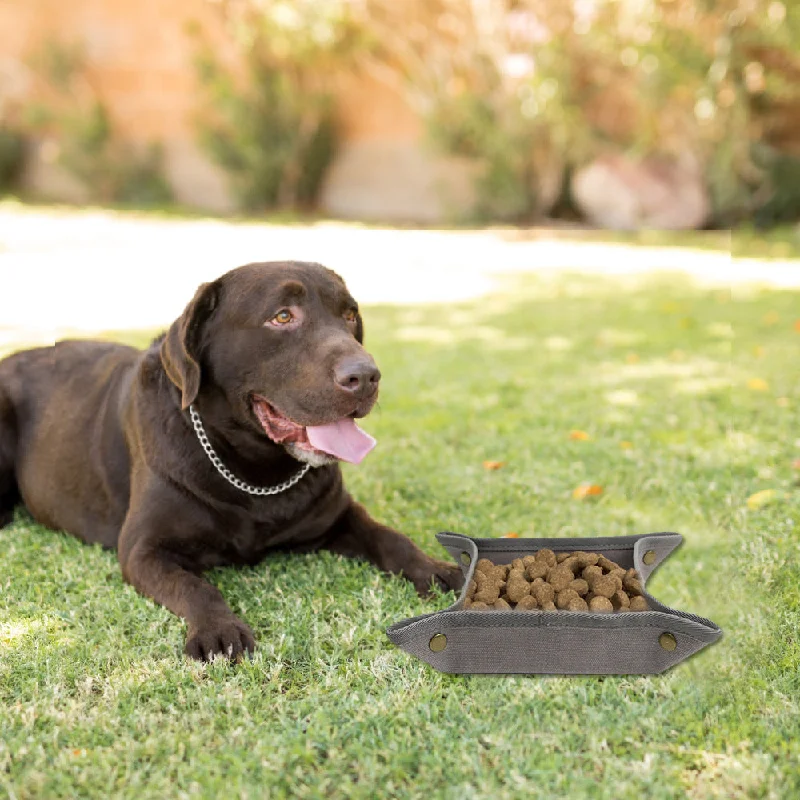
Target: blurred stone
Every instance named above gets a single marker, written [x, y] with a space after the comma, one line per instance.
[620, 193]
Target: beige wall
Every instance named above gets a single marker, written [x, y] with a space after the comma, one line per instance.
[140, 61]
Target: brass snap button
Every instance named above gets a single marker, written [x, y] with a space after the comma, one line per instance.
[666, 640]
[466, 559]
[649, 557]
[438, 642]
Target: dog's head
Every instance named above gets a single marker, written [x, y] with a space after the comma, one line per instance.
[283, 342]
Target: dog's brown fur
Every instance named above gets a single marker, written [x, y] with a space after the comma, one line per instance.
[96, 439]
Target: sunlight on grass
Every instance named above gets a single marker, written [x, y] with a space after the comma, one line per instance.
[736, 773]
[12, 631]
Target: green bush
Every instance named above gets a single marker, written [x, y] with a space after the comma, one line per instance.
[275, 141]
[112, 170]
[12, 153]
[782, 188]
[504, 146]
[89, 149]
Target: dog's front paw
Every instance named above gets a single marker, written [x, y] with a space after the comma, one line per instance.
[443, 574]
[224, 635]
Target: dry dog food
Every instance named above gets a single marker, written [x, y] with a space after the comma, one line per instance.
[547, 581]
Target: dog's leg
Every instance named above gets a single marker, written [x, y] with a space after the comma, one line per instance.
[149, 548]
[9, 493]
[356, 535]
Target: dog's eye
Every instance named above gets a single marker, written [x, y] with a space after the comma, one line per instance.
[283, 317]
[351, 315]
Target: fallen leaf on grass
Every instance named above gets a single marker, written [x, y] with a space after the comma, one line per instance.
[587, 490]
[758, 385]
[493, 464]
[759, 499]
[510, 536]
[580, 436]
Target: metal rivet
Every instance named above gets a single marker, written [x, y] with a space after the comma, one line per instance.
[666, 640]
[466, 559]
[438, 642]
[649, 557]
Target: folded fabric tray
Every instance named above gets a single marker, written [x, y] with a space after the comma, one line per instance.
[556, 642]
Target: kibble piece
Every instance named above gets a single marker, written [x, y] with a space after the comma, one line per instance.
[528, 560]
[580, 586]
[605, 586]
[620, 600]
[537, 570]
[606, 564]
[517, 564]
[484, 565]
[543, 592]
[577, 604]
[572, 564]
[561, 557]
[589, 571]
[488, 593]
[516, 575]
[551, 606]
[586, 559]
[564, 597]
[631, 582]
[518, 589]
[504, 596]
[499, 572]
[546, 555]
[472, 587]
[600, 604]
[638, 603]
[480, 578]
[478, 606]
[618, 572]
[528, 603]
[501, 605]
[560, 577]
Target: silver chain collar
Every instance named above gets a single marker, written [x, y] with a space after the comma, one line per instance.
[228, 475]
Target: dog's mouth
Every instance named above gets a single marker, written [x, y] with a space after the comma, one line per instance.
[342, 439]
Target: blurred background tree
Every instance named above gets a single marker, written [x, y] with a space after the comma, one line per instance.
[270, 124]
[523, 85]
[625, 113]
[531, 90]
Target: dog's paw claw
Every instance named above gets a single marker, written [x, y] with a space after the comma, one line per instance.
[221, 636]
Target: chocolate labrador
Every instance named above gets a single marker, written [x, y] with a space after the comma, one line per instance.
[217, 444]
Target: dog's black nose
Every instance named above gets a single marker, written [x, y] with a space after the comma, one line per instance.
[357, 375]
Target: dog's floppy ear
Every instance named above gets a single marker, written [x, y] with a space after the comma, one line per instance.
[359, 328]
[180, 348]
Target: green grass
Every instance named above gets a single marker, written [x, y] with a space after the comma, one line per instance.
[97, 700]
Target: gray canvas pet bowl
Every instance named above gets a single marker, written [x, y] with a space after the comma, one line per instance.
[556, 642]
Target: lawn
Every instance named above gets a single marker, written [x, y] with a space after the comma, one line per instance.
[691, 400]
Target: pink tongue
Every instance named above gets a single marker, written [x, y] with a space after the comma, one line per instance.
[343, 439]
